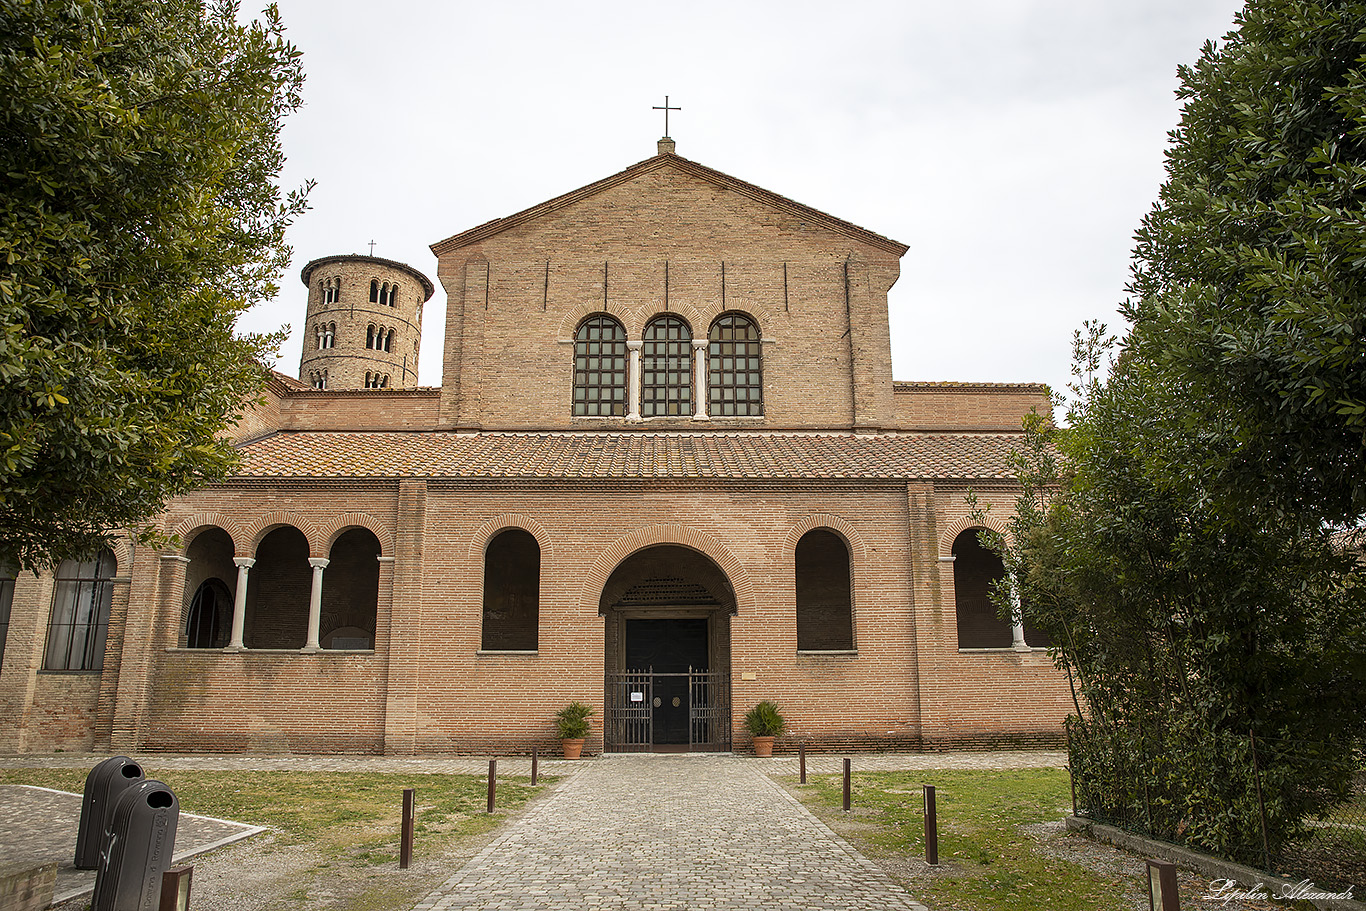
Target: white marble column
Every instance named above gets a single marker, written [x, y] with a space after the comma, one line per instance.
[315, 602]
[239, 605]
[633, 381]
[1017, 621]
[700, 378]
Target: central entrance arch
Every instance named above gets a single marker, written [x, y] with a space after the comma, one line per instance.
[666, 612]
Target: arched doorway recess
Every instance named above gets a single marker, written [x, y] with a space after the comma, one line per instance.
[666, 612]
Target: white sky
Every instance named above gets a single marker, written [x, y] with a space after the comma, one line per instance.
[1014, 145]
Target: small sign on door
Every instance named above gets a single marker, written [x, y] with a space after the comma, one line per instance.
[637, 697]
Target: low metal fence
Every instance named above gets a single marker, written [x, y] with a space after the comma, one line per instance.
[1293, 808]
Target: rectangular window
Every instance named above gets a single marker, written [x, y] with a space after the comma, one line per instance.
[6, 601]
[80, 615]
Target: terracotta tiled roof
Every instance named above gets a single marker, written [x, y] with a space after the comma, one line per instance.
[528, 456]
[289, 382]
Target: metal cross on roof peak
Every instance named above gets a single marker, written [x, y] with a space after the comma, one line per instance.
[372, 248]
[666, 109]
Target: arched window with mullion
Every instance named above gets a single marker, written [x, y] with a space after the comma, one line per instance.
[666, 368]
[600, 368]
[734, 365]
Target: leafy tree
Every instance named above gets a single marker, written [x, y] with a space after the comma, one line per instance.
[1183, 633]
[139, 146]
[1250, 274]
[1187, 564]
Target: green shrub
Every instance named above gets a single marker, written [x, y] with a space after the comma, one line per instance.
[572, 721]
[765, 720]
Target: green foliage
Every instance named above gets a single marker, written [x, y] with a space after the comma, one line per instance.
[571, 722]
[139, 146]
[1187, 564]
[765, 719]
[1250, 272]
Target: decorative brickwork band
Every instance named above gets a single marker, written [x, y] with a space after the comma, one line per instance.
[961, 524]
[486, 532]
[615, 553]
[256, 531]
[334, 529]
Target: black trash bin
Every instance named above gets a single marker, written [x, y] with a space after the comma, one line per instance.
[138, 850]
[103, 786]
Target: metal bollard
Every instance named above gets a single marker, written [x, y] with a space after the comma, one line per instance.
[535, 757]
[846, 785]
[103, 787]
[801, 760]
[931, 828]
[405, 842]
[139, 848]
[493, 781]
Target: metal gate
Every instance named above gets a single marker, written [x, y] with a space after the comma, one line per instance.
[631, 712]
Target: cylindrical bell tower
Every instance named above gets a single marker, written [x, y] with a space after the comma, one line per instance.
[364, 323]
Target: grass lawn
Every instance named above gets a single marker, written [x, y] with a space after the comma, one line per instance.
[345, 826]
[989, 859]
[986, 862]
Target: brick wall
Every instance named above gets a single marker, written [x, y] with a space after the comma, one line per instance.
[967, 406]
[63, 712]
[666, 241]
[213, 701]
[466, 700]
[371, 409]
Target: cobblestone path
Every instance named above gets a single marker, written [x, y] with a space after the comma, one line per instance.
[669, 832]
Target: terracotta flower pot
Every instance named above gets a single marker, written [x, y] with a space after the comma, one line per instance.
[573, 748]
[763, 747]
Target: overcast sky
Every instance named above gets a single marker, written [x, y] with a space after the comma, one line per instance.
[1014, 145]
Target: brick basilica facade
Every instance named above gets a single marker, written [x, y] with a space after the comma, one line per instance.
[667, 473]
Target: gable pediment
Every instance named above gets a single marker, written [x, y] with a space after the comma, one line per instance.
[656, 170]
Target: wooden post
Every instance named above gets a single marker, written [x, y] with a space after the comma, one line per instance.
[931, 828]
[405, 844]
[493, 781]
[846, 784]
[175, 889]
[535, 758]
[801, 760]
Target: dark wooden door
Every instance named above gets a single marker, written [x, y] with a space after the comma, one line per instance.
[666, 647]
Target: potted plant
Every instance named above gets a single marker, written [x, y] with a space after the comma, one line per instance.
[764, 722]
[572, 724]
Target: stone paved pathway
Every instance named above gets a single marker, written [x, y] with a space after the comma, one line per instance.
[656, 832]
[39, 825]
[702, 833]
